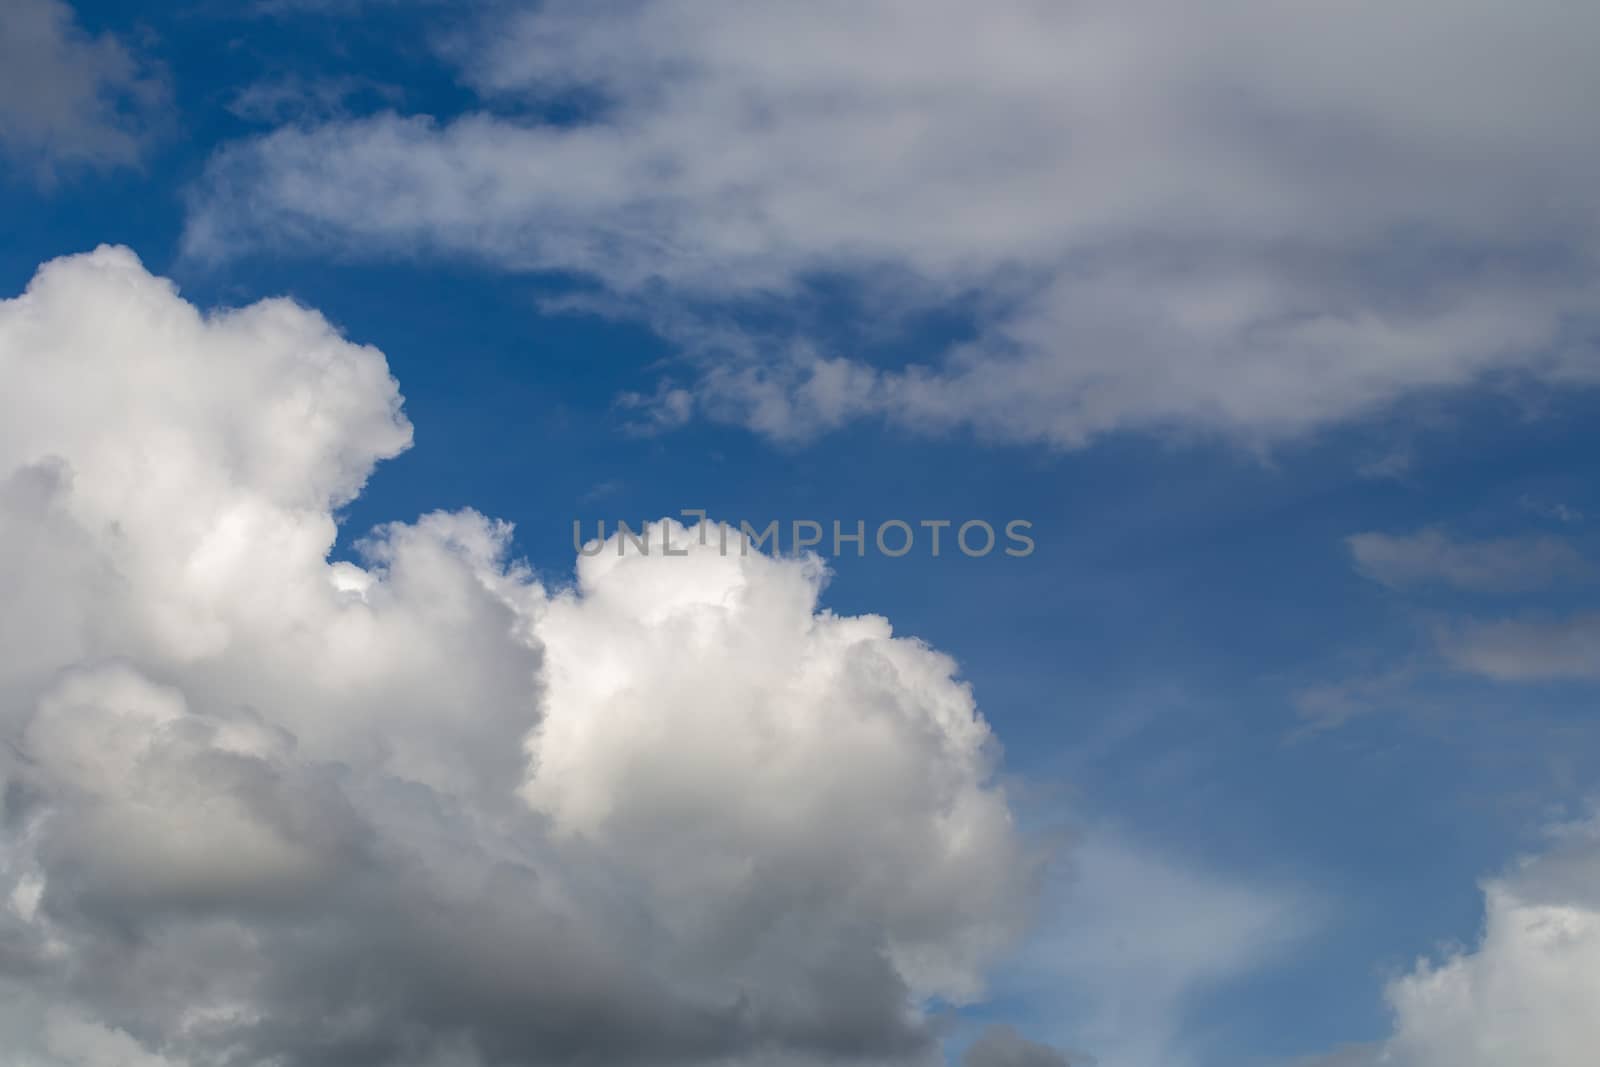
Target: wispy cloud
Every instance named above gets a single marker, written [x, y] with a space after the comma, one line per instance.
[1498, 565]
[1171, 219]
[1134, 936]
[1525, 649]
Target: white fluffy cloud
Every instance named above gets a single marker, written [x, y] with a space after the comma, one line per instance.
[1526, 993]
[836, 718]
[263, 807]
[1253, 218]
[67, 98]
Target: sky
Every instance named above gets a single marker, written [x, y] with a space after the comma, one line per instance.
[343, 728]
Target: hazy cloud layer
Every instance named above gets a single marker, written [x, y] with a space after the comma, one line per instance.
[422, 812]
[1255, 219]
[67, 98]
[1134, 940]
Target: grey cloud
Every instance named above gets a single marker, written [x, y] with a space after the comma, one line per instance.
[68, 99]
[1002, 1046]
[1350, 1056]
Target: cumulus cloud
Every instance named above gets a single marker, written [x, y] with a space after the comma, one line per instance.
[67, 98]
[1525, 993]
[1255, 220]
[1499, 565]
[419, 809]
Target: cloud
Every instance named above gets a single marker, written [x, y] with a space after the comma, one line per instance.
[1132, 940]
[68, 99]
[1551, 509]
[1528, 649]
[1002, 1046]
[1525, 649]
[420, 810]
[1501, 565]
[1330, 705]
[295, 98]
[1525, 992]
[1256, 222]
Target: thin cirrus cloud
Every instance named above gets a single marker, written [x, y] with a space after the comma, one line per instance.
[68, 99]
[260, 807]
[1157, 216]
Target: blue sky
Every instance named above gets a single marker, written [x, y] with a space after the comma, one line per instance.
[1276, 770]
